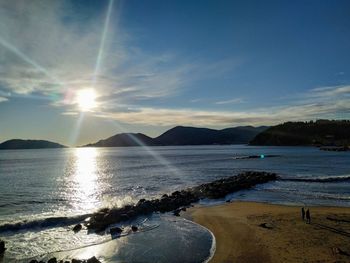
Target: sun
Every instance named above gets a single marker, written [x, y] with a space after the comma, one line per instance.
[86, 99]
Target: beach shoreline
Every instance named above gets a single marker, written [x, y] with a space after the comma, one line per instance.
[262, 232]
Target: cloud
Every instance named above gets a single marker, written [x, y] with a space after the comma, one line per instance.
[330, 92]
[325, 102]
[47, 48]
[197, 100]
[231, 101]
[2, 99]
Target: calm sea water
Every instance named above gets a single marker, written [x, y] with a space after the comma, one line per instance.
[40, 184]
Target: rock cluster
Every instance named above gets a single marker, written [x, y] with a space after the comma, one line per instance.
[54, 260]
[178, 199]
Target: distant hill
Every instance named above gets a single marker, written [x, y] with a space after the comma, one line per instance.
[123, 140]
[203, 136]
[28, 144]
[183, 136]
[320, 132]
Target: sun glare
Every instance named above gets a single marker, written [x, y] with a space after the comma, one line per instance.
[86, 99]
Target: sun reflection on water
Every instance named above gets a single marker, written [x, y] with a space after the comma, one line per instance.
[85, 178]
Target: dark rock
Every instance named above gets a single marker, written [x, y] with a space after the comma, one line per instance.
[2, 246]
[104, 210]
[145, 207]
[131, 213]
[141, 201]
[34, 261]
[177, 212]
[266, 225]
[134, 228]
[127, 207]
[93, 260]
[124, 217]
[115, 230]
[77, 261]
[176, 193]
[52, 260]
[77, 228]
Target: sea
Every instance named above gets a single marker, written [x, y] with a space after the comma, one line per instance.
[44, 192]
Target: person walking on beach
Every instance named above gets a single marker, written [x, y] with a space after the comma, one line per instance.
[303, 213]
[308, 217]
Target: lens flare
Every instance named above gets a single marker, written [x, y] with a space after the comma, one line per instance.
[86, 99]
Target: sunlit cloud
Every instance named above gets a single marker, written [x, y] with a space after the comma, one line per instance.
[329, 102]
[3, 99]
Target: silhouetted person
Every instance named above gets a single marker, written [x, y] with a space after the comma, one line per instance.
[303, 213]
[308, 217]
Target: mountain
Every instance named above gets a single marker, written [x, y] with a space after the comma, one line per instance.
[123, 140]
[320, 132]
[203, 136]
[28, 144]
[184, 136]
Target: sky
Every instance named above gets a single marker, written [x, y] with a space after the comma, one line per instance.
[75, 72]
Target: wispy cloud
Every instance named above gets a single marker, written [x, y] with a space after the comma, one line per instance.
[330, 92]
[46, 49]
[231, 101]
[335, 103]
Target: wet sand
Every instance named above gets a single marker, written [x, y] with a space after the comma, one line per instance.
[286, 238]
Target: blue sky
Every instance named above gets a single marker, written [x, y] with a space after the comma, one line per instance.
[156, 64]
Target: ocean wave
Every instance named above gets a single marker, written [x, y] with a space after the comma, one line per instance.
[285, 194]
[31, 202]
[42, 223]
[326, 179]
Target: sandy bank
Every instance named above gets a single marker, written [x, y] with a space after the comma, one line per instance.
[240, 238]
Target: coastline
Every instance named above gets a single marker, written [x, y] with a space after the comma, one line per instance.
[283, 237]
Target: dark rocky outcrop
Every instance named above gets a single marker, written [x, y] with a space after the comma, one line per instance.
[28, 144]
[178, 199]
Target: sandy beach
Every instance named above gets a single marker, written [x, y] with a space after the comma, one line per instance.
[259, 232]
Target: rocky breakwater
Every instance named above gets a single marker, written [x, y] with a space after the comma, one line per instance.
[178, 199]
